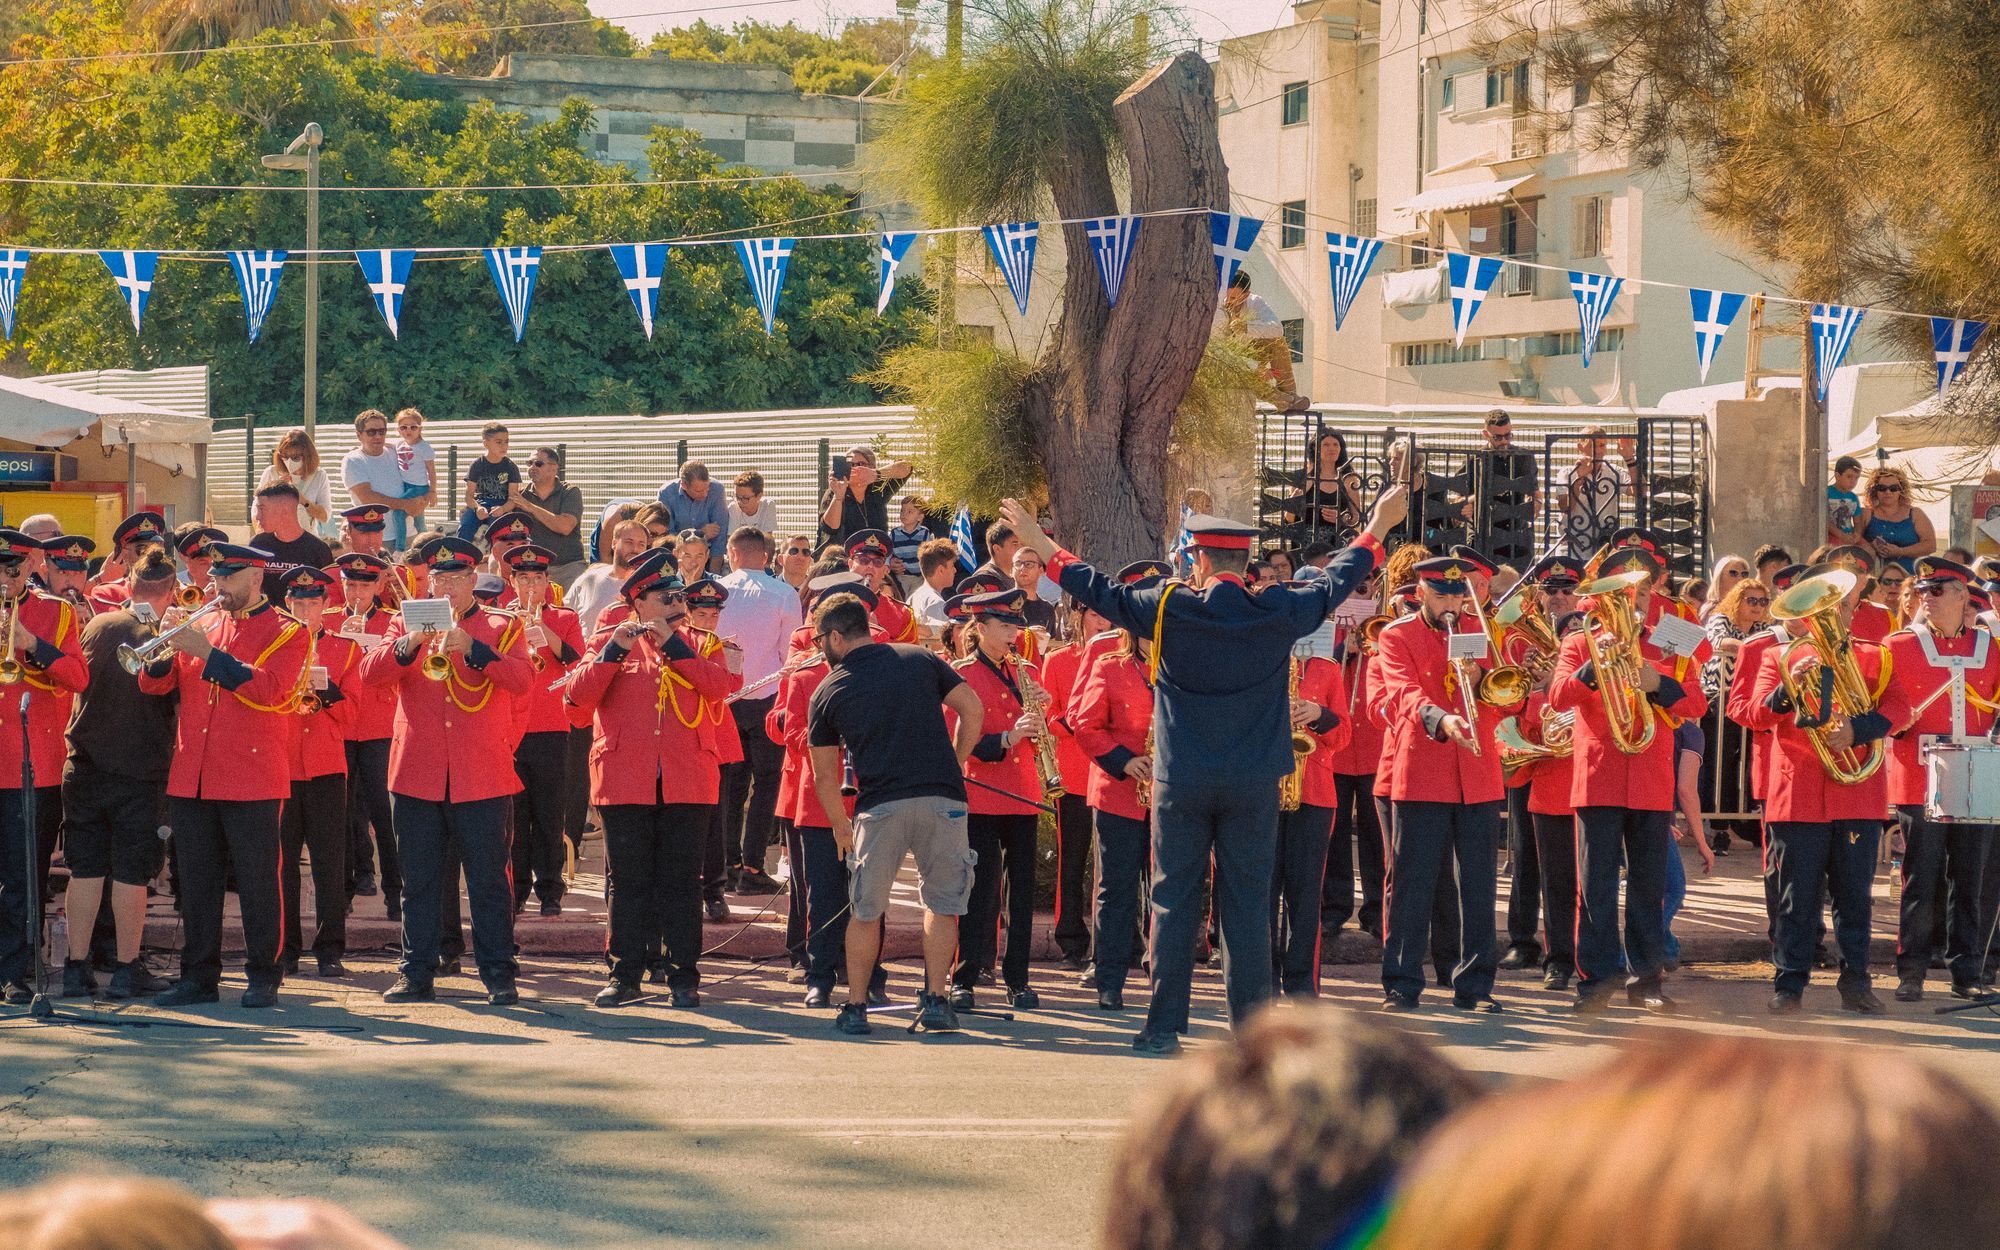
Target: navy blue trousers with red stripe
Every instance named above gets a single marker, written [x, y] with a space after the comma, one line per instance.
[1296, 897]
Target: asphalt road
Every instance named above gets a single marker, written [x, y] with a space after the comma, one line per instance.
[747, 1123]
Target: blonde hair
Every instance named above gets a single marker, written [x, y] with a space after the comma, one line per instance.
[98, 1213]
[1732, 603]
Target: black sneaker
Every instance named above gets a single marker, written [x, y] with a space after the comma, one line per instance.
[331, 966]
[187, 994]
[1024, 999]
[1395, 1002]
[364, 884]
[853, 1019]
[132, 980]
[501, 993]
[450, 966]
[684, 996]
[935, 1014]
[1555, 978]
[1482, 1003]
[961, 998]
[757, 881]
[615, 993]
[716, 910]
[406, 990]
[77, 979]
[1910, 990]
[1861, 1000]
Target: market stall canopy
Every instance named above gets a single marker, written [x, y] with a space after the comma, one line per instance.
[42, 415]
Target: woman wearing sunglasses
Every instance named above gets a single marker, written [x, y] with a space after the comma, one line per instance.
[1897, 531]
[1744, 609]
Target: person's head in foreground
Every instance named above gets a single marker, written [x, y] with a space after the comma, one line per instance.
[107, 1214]
[1286, 1138]
[1713, 1144]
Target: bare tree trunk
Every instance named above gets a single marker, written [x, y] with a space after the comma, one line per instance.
[1101, 403]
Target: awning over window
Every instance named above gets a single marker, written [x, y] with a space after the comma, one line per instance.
[1461, 196]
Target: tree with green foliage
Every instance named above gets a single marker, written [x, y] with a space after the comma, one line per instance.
[196, 25]
[472, 37]
[843, 64]
[388, 125]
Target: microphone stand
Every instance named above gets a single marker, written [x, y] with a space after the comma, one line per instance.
[40, 1007]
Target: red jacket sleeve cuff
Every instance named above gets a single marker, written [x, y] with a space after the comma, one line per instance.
[1060, 561]
[1372, 545]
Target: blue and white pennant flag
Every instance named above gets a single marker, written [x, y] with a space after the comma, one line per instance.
[1232, 235]
[133, 272]
[1713, 313]
[514, 270]
[1833, 327]
[641, 266]
[13, 267]
[1013, 247]
[764, 263]
[387, 274]
[257, 275]
[1953, 339]
[895, 246]
[1471, 278]
[1181, 555]
[1349, 258]
[961, 538]
[1111, 243]
[1595, 293]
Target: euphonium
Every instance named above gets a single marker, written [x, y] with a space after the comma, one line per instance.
[1291, 787]
[10, 664]
[1827, 686]
[1370, 632]
[1526, 613]
[1036, 700]
[1614, 640]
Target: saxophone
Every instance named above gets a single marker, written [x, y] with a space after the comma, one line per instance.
[1291, 787]
[1142, 787]
[1035, 700]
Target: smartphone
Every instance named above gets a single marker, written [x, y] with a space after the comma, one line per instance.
[840, 467]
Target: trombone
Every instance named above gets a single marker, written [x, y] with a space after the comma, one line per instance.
[132, 659]
[1504, 683]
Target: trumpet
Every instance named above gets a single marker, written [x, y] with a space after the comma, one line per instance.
[533, 616]
[1614, 654]
[1827, 686]
[132, 659]
[188, 595]
[436, 664]
[1291, 787]
[11, 669]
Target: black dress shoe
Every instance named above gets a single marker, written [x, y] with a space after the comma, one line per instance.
[261, 996]
[394, 908]
[502, 994]
[1392, 1001]
[1483, 1003]
[1444, 980]
[132, 980]
[331, 966]
[1964, 989]
[407, 991]
[1088, 981]
[1024, 998]
[1651, 998]
[656, 974]
[1074, 963]
[1592, 1002]
[1861, 1001]
[1157, 1044]
[853, 1020]
[961, 998]
[364, 885]
[819, 996]
[757, 881]
[187, 994]
[616, 993]
[289, 965]
[1912, 991]
[1554, 978]
[1110, 1000]
[77, 979]
[1518, 957]
[450, 966]
[716, 910]
[1784, 1002]
[684, 996]
[552, 907]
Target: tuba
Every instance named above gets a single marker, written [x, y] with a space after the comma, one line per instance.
[1826, 686]
[1370, 632]
[1291, 787]
[1614, 653]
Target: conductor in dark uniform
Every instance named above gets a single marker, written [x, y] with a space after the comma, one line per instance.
[1222, 657]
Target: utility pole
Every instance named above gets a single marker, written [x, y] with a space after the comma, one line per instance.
[947, 287]
[310, 139]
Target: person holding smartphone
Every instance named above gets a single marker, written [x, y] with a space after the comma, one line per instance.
[858, 494]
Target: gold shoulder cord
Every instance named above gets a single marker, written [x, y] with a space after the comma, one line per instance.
[64, 616]
[1159, 627]
[669, 681]
[484, 688]
[290, 702]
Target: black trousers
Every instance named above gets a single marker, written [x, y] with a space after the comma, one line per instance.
[1005, 846]
[1943, 865]
[1810, 859]
[576, 784]
[368, 810]
[652, 885]
[1356, 842]
[315, 818]
[1444, 926]
[750, 786]
[217, 837]
[1555, 849]
[711, 853]
[1295, 898]
[17, 901]
[1607, 837]
[1122, 853]
[822, 880]
[427, 834]
[1428, 837]
[1072, 931]
[542, 764]
[1524, 890]
[797, 917]
[1236, 824]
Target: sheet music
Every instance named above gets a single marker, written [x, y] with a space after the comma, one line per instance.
[420, 615]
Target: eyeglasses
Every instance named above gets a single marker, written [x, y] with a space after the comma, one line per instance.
[1757, 603]
[374, 429]
[1935, 590]
[864, 560]
[823, 635]
[1885, 490]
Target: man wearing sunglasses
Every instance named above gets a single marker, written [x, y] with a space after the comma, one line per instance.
[868, 555]
[371, 473]
[1943, 649]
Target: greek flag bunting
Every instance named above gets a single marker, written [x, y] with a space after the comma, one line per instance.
[961, 538]
[1181, 555]
[1833, 327]
[1013, 247]
[1952, 337]
[257, 275]
[1713, 312]
[133, 272]
[1233, 235]
[894, 247]
[514, 270]
[1595, 293]
[387, 274]
[764, 263]
[1111, 242]
[1349, 258]
[1471, 278]
[13, 267]
[641, 266]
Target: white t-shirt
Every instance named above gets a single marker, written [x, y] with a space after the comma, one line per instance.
[927, 606]
[414, 460]
[312, 490]
[380, 472]
[765, 518]
[595, 589]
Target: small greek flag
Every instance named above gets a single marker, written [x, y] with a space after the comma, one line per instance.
[764, 263]
[387, 274]
[1013, 247]
[961, 538]
[514, 270]
[894, 247]
[133, 272]
[1953, 338]
[1182, 554]
[13, 267]
[1833, 327]
[1713, 312]
[257, 275]
[1471, 278]
[1349, 258]
[1111, 242]
[1233, 235]
[1595, 293]
[641, 266]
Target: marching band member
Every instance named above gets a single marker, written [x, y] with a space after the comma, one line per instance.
[1355, 841]
[128, 539]
[554, 639]
[1941, 648]
[370, 729]
[705, 597]
[1552, 818]
[868, 555]
[1552, 580]
[239, 676]
[1446, 789]
[66, 568]
[193, 543]
[1000, 827]
[1060, 673]
[1305, 832]
[1742, 686]
[503, 533]
[1624, 800]
[315, 816]
[1822, 832]
[451, 775]
[654, 776]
